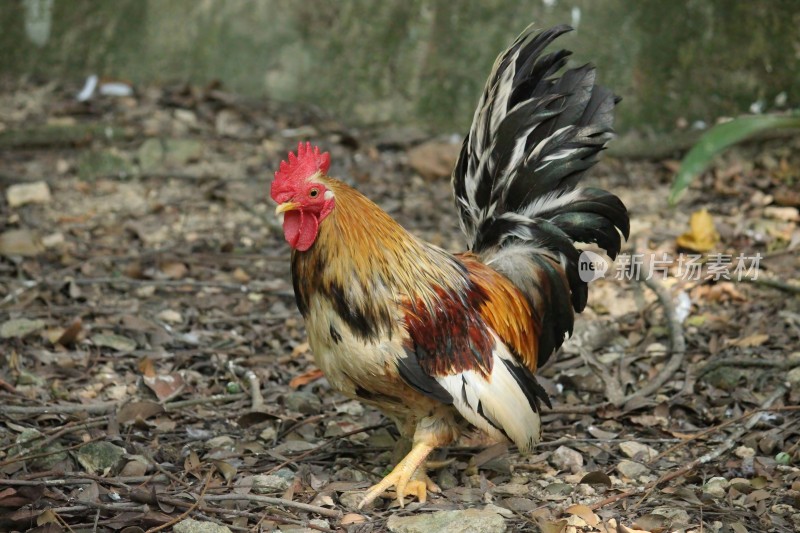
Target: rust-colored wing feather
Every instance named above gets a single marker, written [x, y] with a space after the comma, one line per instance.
[506, 310]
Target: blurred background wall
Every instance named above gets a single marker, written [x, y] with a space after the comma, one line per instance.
[417, 61]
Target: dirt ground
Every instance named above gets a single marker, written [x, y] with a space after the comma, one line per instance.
[154, 367]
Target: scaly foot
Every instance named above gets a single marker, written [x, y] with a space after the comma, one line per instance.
[405, 478]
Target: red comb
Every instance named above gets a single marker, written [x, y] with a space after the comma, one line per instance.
[308, 161]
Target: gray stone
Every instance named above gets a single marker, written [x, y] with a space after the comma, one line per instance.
[28, 442]
[294, 446]
[632, 469]
[466, 521]
[223, 441]
[511, 489]
[99, 456]
[637, 450]
[567, 459]
[716, 487]
[303, 402]
[20, 327]
[93, 165]
[272, 483]
[676, 515]
[191, 525]
[351, 498]
[793, 376]
[156, 154]
[28, 193]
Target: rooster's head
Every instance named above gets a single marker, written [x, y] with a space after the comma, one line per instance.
[303, 200]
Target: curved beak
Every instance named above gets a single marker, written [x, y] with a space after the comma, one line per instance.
[286, 206]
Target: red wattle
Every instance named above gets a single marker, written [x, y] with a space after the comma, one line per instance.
[300, 229]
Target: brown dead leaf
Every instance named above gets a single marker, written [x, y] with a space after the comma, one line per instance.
[147, 368]
[702, 235]
[89, 493]
[134, 411]
[306, 377]
[583, 512]
[47, 517]
[718, 292]
[240, 275]
[192, 463]
[548, 526]
[134, 468]
[165, 387]
[255, 417]
[72, 334]
[750, 341]
[227, 470]
[598, 477]
[174, 270]
[655, 523]
[352, 518]
[489, 454]
[13, 498]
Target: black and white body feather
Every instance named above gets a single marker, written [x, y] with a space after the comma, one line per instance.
[533, 136]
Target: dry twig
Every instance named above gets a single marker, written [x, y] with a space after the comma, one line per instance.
[188, 511]
[676, 340]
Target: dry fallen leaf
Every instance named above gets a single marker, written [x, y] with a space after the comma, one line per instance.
[702, 235]
[652, 522]
[305, 378]
[584, 512]
[718, 292]
[165, 387]
[131, 412]
[227, 470]
[750, 341]
[174, 270]
[147, 368]
[353, 518]
[72, 334]
[598, 477]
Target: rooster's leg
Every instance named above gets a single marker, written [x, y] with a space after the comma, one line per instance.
[405, 477]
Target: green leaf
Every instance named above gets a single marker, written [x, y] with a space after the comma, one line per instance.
[720, 137]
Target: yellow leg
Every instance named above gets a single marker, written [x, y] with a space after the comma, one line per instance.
[405, 478]
[421, 477]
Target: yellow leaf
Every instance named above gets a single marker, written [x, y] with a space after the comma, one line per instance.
[47, 517]
[751, 340]
[702, 235]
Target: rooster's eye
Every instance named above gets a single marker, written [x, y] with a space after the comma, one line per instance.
[313, 193]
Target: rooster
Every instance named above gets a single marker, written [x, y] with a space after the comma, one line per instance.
[444, 343]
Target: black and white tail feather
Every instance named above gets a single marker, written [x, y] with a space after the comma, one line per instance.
[533, 136]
